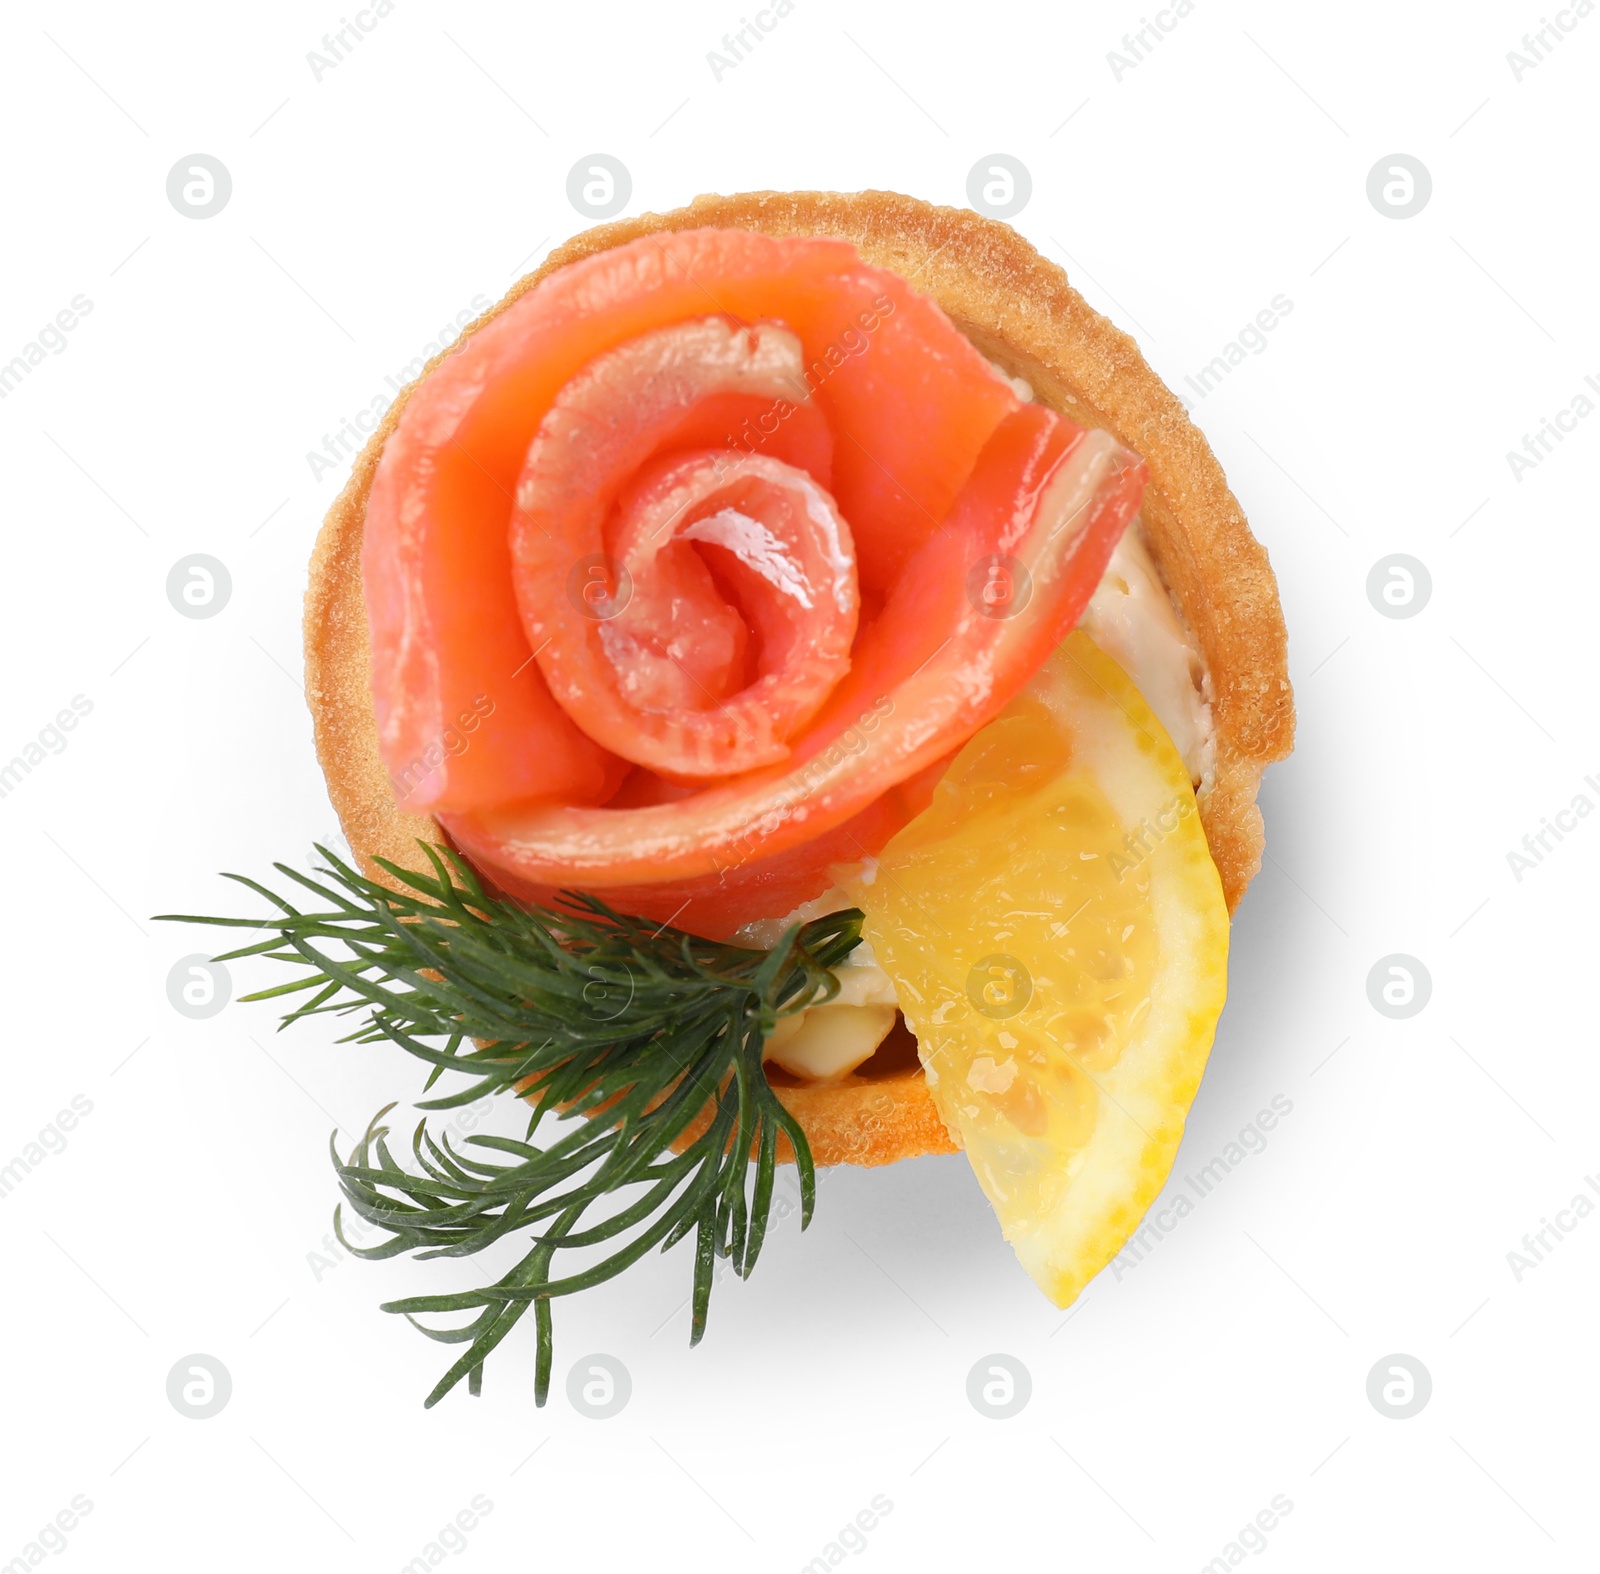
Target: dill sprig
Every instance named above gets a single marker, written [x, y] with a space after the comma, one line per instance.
[647, 1030]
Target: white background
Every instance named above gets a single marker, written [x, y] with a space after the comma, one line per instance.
[1230, 1366]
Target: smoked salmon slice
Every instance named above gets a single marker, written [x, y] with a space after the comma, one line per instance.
[727, 541]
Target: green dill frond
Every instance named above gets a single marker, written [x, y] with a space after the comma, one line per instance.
[652, 1033]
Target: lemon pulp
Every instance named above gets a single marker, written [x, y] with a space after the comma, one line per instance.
[1057, 937]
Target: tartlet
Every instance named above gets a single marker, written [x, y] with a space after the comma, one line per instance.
[1020, 311]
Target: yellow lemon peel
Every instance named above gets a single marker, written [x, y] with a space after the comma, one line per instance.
[1057, 937]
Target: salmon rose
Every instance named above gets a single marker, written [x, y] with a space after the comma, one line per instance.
[688, 573]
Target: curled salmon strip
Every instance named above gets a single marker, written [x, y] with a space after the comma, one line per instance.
[724, 543]
[654, 668]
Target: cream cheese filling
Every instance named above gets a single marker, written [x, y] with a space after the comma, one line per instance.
[1131, 617]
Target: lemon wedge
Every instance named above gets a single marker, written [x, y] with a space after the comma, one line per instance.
[1057, 938]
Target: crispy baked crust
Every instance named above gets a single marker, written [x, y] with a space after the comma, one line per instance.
[1019, 309]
